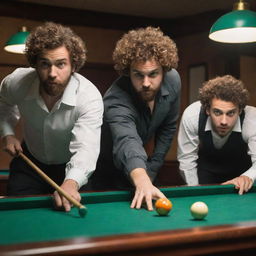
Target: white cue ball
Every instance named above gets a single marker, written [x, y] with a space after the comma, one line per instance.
[199, 210]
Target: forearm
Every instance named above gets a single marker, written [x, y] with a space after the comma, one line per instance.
[251, 141]
[153, 166]
[128, 154]
[83, 160]
[85, 144]
[9, 113]
[188, 167]
[139, 176]
[144, 189]
[188, 143]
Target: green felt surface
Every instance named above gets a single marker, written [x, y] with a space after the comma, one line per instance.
[108, 213]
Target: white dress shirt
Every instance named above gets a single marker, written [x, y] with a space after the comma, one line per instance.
[69, 133]
[188, 140]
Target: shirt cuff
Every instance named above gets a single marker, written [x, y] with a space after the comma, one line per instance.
[191, 177]
[251, 173]
[133, 163]
[6, 130]
[77, 175]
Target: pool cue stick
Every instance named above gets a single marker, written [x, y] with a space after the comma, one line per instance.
[52, 183]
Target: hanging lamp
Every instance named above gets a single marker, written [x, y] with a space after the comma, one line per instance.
[238, 26]
[16, 43]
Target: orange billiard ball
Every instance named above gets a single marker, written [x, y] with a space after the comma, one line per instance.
[163, 206]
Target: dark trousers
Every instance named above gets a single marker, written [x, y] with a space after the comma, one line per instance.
[23, 180]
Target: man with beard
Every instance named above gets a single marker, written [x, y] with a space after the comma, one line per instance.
[217, 136]
[61, 113]
[141, 105]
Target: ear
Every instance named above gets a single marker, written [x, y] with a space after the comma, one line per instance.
[207, 111]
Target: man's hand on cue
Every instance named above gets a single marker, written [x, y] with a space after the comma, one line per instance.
[70, 187]
[11, 145]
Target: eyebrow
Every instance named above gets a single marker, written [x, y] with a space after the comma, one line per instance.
[151, 71]
[64, 59]
[231, 110]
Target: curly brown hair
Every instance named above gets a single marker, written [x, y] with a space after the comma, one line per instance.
[50, 36]
[225, 88]
[145, 44]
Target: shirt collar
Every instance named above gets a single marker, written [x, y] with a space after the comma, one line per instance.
[164, 87]
[69, 95]
[236, 128]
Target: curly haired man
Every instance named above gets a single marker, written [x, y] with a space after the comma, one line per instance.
[217, 136]
[61, 113]
[143, 103]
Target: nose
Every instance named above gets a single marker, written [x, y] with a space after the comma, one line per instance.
[53, 71]
[224, 120]
[146, 82]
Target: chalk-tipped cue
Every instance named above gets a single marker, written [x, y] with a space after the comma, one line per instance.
[82, 208]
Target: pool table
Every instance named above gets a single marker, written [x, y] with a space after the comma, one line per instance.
[30, 226]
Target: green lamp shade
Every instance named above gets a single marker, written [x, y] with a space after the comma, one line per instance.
[16, 43]
[235, 27]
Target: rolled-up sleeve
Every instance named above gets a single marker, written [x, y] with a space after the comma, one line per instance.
[85, 140]
[249, 136]
[128, 151]
[188, 142]
[9, 113]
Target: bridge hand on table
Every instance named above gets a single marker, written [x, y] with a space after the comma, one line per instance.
[145, 191]
[242, 183]
[69, 186]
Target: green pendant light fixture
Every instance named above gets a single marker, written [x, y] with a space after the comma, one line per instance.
[238, 26]
[16, 43]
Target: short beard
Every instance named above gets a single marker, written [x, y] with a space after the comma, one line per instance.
[54, 89]
[147, 97]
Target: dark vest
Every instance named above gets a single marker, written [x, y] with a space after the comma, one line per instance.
[219, 165]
